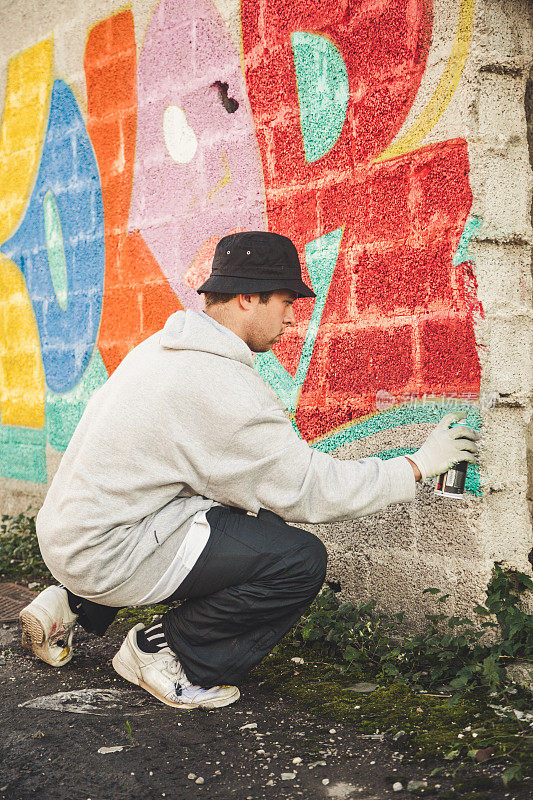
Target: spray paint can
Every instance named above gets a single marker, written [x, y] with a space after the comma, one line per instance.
[452, 483]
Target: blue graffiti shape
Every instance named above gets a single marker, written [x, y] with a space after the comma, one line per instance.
[62, 234]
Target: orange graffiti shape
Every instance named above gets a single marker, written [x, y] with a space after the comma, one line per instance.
[137, 296]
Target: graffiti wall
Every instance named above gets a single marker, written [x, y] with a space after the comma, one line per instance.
[323, 122]
[109, 219]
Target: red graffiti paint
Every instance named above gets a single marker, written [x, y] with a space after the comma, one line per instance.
[395, 286]
[137, 296]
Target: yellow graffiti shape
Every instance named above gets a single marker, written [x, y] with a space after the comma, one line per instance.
[444, 91]
[21, 364]
[225, 179]
[29, 81]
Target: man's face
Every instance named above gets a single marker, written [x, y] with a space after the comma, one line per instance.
[267, 321]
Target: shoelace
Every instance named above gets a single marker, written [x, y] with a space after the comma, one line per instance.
[182, 682]
[175, 668]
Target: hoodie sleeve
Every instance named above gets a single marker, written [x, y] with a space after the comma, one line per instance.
[266, 465]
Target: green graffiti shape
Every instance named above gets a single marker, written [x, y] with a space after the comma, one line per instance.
[323, 92]
[23, 453]
[23, 450]
[63, 411]
[421, 413]
[472, 225]
[55, 249]
[321, 257]
[396, 417]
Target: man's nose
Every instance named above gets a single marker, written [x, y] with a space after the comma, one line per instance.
[290, 319]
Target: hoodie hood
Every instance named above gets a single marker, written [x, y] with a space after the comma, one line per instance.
[188, 330]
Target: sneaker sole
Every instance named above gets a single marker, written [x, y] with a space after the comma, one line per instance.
[125, 672]
[34, 640]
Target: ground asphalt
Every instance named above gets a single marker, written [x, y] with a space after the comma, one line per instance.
[104, 739]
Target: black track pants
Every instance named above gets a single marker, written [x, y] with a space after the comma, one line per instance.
[253, 581]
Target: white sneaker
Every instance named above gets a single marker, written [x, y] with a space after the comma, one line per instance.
[162, 675]
[48, 626]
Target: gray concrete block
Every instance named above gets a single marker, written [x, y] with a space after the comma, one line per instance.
[392, 526]
[500, 108]
[511, 361]
[443, 526]
[501, 186]
[503, 273]
[502, 35]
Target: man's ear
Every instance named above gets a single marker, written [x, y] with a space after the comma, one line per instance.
[245, 301]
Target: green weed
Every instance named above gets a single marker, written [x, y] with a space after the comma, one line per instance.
[445, 688]
[20, 556]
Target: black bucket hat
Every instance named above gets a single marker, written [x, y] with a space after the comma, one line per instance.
[255, 261]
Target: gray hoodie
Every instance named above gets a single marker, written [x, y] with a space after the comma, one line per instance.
[185, 422]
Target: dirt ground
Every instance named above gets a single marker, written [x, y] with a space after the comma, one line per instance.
[240, 751]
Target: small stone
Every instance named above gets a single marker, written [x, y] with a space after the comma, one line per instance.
[297, 760]
[397, 787]
[115, 749]
[270, 783]
[332, 730]
[363, 687]
[248, 727]
[325, 781]
[523, 715]
[521, 672]
[191, 776]
[416, 786]
[298, 660]
[199, 780]
[288, 776]
[33, 585]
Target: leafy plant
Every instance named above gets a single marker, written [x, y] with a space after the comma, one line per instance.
[452, 650]
[19, 549]
[129, 732]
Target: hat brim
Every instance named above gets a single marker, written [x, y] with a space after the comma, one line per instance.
[232, 285]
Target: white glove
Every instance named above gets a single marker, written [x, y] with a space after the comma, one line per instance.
[446, 446]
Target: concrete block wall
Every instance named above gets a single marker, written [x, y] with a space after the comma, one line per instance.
[389, 140]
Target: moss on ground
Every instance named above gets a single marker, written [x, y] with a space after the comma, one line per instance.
[435, 727]
[128, 617]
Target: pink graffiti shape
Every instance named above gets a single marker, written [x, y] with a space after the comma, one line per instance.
[198, 171]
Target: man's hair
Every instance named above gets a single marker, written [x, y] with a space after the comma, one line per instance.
[214, 298]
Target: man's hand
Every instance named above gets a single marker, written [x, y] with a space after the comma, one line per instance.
[446, 446]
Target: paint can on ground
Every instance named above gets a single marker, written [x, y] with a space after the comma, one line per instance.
[452, 483]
